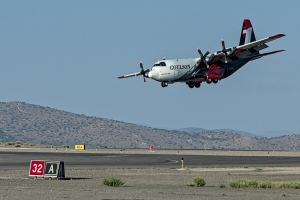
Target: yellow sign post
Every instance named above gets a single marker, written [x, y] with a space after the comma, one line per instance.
[79, 147]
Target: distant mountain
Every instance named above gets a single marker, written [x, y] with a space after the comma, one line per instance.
[192, 130]
[43, 125]
[200, 130]
[270, 134]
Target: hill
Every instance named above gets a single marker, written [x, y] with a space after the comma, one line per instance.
[200, 130]
[24, 122]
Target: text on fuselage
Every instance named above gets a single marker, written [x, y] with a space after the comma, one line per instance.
[176, 67]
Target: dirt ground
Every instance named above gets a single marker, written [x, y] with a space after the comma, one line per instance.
[148, 183]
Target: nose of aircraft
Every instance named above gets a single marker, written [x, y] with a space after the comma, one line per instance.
[153, 74]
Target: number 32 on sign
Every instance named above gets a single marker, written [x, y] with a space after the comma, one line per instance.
[37, 168]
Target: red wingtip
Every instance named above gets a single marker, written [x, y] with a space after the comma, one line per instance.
[120, 76]
[277, 36]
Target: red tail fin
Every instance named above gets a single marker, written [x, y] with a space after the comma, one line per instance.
[247, 34]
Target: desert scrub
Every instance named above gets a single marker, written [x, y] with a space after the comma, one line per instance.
[263, 184]
[258, 169]
[221, 185]
[114, 182]
[198, 182]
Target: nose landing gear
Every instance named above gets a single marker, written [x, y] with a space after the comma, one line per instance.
[164, 84]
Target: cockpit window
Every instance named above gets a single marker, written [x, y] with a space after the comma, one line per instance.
[163, 64]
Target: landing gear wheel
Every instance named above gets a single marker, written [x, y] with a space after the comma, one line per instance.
[208, 81]
[164, 84]
[197, 85]
[191, 85]
[215, 81]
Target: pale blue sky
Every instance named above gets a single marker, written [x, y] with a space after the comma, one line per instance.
[67, 55]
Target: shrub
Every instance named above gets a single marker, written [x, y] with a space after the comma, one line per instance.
[221, 185]
[263, 184]
[245, 166]
[190, 184]
[114, 182]
[258, 169]
[199, 181]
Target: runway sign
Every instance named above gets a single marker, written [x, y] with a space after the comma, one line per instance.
[55, 169]
[79, 147]
[37, 168]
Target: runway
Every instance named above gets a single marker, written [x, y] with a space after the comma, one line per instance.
[78, 160]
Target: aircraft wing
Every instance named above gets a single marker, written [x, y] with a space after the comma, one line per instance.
[260, 42]
[243, 50]
[130, 75]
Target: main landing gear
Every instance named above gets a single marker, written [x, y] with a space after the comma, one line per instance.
[209, 81]
[192, 85]
[164, 84]
[197, 85]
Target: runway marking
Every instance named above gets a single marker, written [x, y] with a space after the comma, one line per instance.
[115, 156]
[172, 161]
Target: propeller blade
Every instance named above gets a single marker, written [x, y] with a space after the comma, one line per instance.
[225, 58]
[200, 53]
[141, 66]
[143, 72]
[223, 45]
[202, 57]
[206, 53]
[224, 50]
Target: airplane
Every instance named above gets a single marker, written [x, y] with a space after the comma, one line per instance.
[209, 68]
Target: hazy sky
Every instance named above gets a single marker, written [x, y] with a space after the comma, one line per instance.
[67, 55]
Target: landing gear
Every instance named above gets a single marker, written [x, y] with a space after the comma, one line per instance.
[215, 81]
[208, 81]
[192, 85]
[164, 84]
[197, 85]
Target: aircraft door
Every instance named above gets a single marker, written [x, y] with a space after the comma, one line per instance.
[175, 73]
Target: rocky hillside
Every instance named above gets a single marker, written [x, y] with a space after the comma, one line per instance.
[42, 125]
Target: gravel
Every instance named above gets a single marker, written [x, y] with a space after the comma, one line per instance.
[150, 183]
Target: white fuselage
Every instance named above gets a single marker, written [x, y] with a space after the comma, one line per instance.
[170, 70]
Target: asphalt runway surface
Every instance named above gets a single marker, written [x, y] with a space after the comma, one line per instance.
[21, 160]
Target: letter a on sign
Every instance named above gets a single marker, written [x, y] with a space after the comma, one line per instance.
[51, 170]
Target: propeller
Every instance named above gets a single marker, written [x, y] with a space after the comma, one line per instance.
[143, 72]
[202, 57]
[224, 50]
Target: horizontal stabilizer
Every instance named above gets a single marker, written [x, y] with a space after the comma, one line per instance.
[264, 54]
